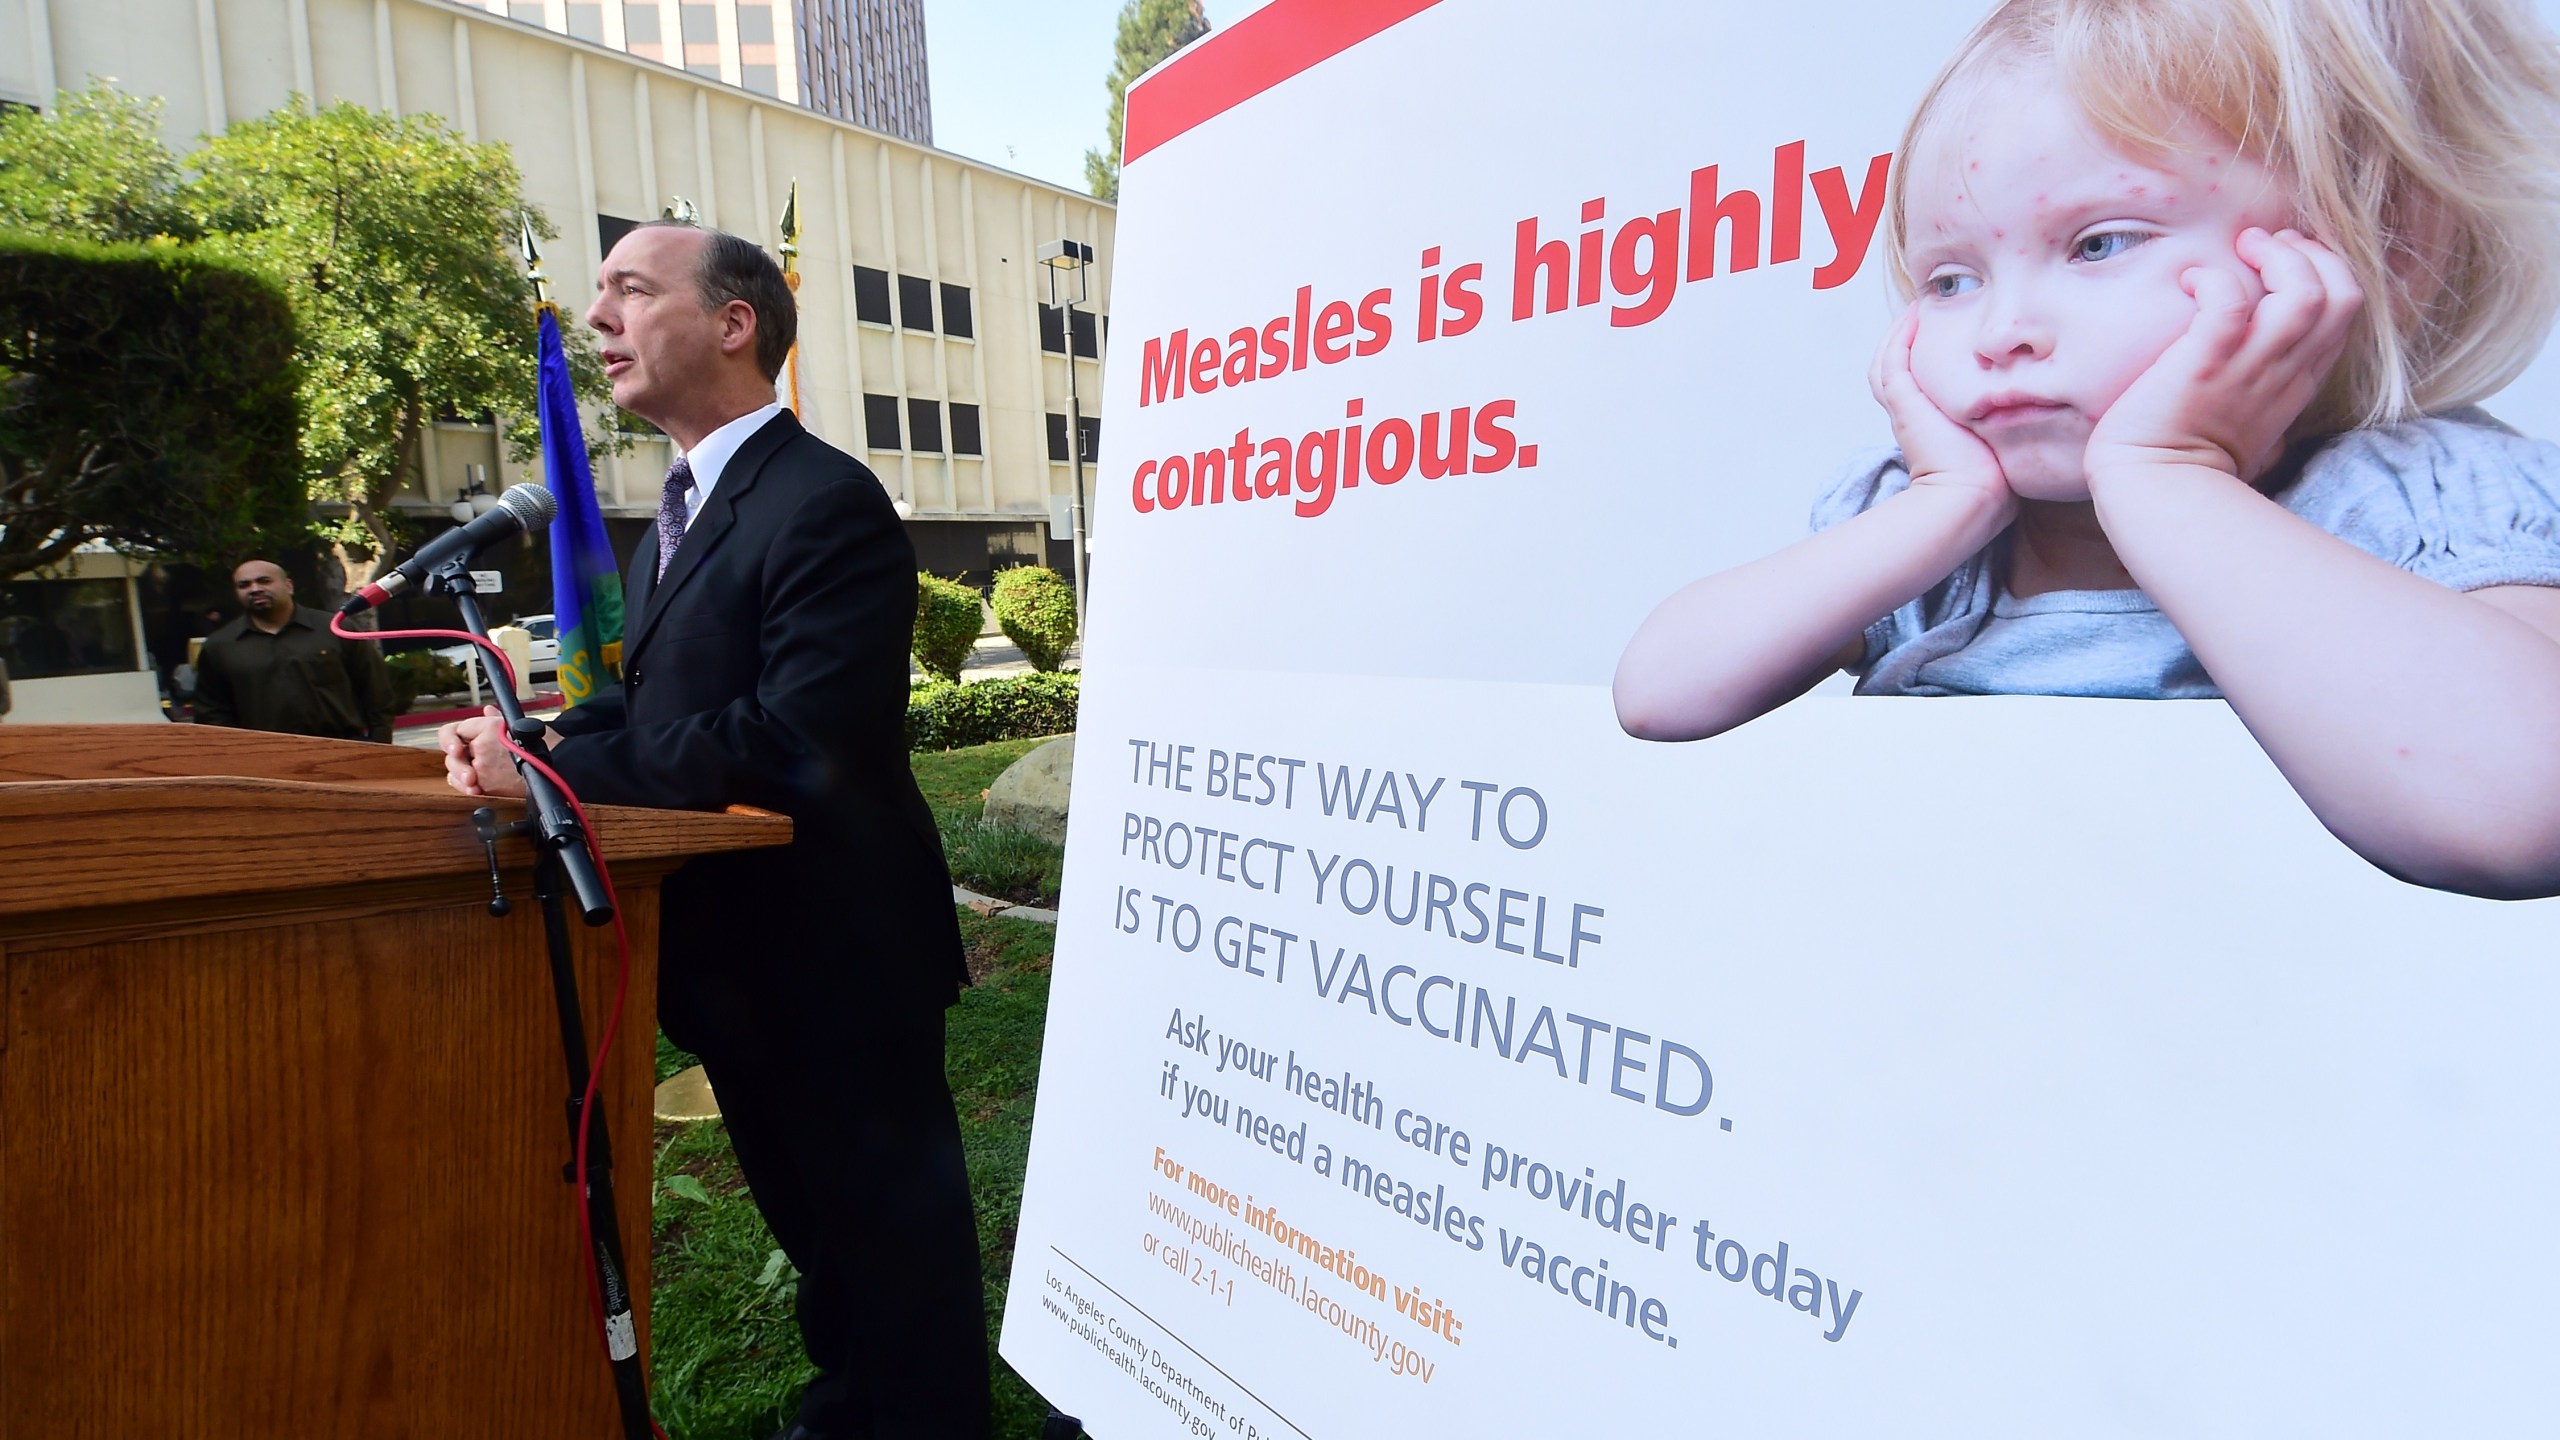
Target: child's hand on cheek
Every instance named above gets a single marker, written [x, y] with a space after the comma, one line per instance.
[1936, 449]
[2224, 393]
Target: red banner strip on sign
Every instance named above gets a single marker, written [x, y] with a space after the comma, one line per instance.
[1233, 65]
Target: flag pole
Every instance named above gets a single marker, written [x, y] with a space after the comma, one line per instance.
[791, 277]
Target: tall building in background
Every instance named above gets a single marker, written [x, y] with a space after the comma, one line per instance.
[863, 61]
[858, 60]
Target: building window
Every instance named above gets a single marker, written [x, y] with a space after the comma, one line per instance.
[915, 303]
[755, 23]
[1058, 436]
[586, 22]
[707, 69]
[701, 23]
[880, 422]
[762, 79]
[924, 426]
[1053, 333]
[1091, 430]
[871, 295]
[609, 232]
[529, 14]
[955, 314]
[964, 430]
[640, 22]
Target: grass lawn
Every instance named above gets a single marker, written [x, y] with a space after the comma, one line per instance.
[726, 1357]
[990, 859]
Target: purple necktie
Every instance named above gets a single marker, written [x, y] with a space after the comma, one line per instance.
[671, 510]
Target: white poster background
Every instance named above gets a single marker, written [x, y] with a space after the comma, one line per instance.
[2126, 1100]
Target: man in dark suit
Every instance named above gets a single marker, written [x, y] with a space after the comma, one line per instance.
[765, 663]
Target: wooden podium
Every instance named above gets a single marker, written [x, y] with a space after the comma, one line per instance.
[282, 1132]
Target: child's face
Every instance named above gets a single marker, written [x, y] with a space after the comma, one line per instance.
[2048, 266]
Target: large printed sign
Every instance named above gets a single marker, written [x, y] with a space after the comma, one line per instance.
[1505, 988]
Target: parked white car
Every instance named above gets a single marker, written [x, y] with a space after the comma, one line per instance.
[545, 647]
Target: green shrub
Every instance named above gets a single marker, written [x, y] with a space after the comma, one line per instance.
[943, 716]
[422, 672]
[947, 619]
[1038, 612]
[146, 400]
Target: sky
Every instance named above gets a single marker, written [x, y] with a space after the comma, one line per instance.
[1019, 84]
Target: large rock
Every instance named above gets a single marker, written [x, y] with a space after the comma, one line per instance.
[1032, 792]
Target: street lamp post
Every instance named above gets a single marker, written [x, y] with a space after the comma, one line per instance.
[1067, 260]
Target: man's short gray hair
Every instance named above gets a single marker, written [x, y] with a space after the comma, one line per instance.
[736, 268]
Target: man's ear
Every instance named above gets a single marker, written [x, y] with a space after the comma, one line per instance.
[737, 328]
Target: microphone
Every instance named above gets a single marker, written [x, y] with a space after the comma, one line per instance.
[522, 508]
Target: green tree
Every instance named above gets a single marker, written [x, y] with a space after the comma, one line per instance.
[1149, 31]
[147, 399]
[92, 168]
[390, 238]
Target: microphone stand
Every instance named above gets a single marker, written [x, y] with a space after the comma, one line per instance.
[563, 869]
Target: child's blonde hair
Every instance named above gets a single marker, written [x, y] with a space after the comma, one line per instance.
[2419, 139]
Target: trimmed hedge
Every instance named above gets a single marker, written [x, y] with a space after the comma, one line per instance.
[1038, 612]
[421, 672]
[947, 620]
[945, 716]
[146, 399]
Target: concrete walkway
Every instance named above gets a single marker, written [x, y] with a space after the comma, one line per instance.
[1002, 909]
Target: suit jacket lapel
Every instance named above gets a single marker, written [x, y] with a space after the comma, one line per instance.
[700, 538]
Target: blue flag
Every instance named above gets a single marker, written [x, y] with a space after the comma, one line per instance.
[586, 586]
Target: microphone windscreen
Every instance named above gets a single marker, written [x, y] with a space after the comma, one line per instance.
[529, 503]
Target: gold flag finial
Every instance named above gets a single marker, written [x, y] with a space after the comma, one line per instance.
[791, 231]
[682, 209]
[532, 245]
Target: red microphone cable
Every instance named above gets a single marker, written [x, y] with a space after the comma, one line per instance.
[621, 942]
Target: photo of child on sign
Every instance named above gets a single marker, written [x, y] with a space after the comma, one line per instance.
[2201, 299]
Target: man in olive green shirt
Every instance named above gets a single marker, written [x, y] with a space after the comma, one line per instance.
[278, 668]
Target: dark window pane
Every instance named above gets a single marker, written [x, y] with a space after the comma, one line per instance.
[964, 430]
[880, 422]
[610, 229]
[64, 627]
[955, 312]
[1085, 344]
[640, 22]
[1057, 437]
[915, 303]
[924, 426]
[1053, 330]
[1092, 428]
[762, 79]
[701, 24]
[755, 24]
[586, 22]
[871, 294]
